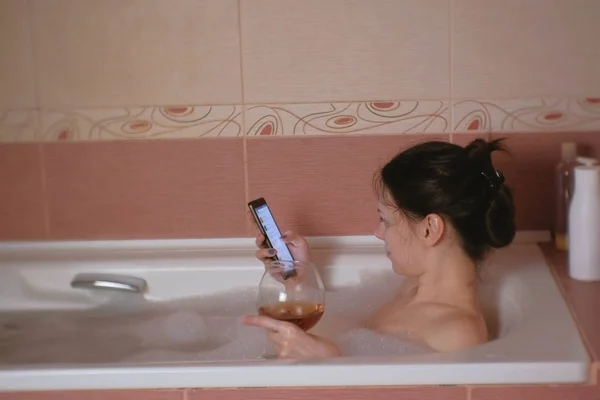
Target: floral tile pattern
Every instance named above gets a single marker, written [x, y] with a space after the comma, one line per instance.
[535, 115]
[18, 126]
[307, 119]
[381, 117]
[172, 122]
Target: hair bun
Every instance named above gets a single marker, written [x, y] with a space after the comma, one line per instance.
[500, 213]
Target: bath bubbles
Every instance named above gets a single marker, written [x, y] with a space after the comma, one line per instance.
[363, 342]
[200, 329]
[178, 328]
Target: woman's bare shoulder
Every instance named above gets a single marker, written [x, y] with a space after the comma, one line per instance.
[455, 330]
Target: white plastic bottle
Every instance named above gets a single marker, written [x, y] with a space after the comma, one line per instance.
[584, 222]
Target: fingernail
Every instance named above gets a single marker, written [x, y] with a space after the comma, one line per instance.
[284, 236]
[271, 251]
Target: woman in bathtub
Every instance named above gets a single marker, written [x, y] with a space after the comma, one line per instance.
[442, 207]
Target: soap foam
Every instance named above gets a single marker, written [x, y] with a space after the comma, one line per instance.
[200, 329]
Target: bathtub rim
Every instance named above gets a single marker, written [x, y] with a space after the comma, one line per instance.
[374, 373]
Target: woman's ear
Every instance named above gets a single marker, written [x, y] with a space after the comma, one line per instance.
[433, 227]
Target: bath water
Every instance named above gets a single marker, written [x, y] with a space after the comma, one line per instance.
[199, 329]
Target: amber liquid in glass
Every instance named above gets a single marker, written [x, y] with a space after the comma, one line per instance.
[303, 314]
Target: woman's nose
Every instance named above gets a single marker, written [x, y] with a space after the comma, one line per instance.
[378, 234]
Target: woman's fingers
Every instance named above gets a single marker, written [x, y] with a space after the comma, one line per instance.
[265, 254]
[260, 241]
[277, 331]
[261, 321]
[298, 245]
[292, 238]
[274, 337]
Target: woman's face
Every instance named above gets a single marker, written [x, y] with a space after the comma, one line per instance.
[401, 243]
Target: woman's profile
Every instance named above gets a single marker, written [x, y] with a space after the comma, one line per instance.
[442, 208]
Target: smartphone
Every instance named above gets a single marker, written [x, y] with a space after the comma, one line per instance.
[268, 227]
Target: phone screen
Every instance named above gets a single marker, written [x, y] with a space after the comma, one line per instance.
[272, 231]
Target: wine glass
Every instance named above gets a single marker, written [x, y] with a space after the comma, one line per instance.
[291, 291]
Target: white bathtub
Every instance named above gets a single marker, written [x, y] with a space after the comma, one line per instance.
[538, 341]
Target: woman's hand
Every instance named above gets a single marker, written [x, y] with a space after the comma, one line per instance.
[297, 244]
[291, 341]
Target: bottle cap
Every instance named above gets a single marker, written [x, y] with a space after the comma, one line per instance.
[587, 161]
[568, 150]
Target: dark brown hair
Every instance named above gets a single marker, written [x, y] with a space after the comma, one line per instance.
[458, 183]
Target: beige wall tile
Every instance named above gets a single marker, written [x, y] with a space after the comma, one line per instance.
[520, 48]
[344, 50]
[136, 52]
[17, 88]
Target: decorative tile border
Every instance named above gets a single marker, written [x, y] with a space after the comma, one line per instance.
[18, 126]
[174, 122]
[382, 117]
[535, 115]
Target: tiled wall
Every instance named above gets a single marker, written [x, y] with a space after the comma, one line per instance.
[153, 118]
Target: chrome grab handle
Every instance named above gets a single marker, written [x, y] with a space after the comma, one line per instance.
[109, 281]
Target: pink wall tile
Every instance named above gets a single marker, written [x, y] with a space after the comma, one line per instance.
[322, 186]
[96, 395]
[562, 392]
[381, 393]
[530, 171]
[463, 139]
[22, 214]
[147, 189]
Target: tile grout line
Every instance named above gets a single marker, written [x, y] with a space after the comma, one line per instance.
[246, 184]
[469, 392]
[488, 134]
[241, 46]
[185, 393]
[44, 183]
[244, 139]
[72, 108]
[451, 66]
[39, 132]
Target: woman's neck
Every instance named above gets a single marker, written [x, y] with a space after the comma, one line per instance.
[450, 278]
